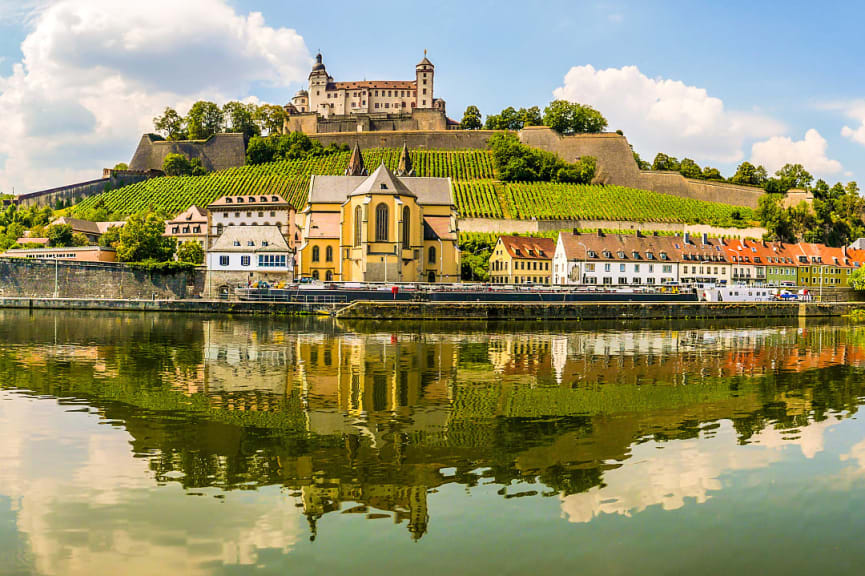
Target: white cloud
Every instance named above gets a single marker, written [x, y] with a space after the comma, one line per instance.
[810, 152]
[94, 73]
[856, 111]
[662, 115]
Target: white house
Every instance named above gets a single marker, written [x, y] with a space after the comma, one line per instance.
[249, 254]
[614, 260]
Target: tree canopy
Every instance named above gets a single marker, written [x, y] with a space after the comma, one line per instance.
[572, 118]
[180, 165]
[291, 146]
[141, 239]
[191, 252]
[471, 119]
[205, 118]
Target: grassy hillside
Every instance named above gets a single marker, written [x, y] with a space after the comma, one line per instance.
[478, 193]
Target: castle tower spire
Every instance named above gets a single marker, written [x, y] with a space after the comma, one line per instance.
[356, 166]
[405, 167]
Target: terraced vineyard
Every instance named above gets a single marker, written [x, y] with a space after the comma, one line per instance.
[289, 178]
[549, 201]
[477, 193]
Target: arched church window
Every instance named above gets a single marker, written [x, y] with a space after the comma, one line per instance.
[358, 225]
[432, 255]
[381, 222]
[406, 227]
[328, 254]
[315, 254]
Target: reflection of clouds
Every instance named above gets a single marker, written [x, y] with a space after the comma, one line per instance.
[685, 469]
[857, 454]
[91, 508]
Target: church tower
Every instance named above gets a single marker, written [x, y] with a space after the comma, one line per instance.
[424, 76]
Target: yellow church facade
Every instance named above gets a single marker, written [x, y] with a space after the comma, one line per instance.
[379, 227]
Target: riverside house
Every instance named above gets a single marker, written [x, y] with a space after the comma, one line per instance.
[617, 259]
[522, 260]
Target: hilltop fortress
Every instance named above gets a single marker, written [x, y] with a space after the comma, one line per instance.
[367, 106]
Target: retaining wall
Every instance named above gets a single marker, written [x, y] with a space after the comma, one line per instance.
[74, 193]
[30, 278]
[512, 226]
[219, 152]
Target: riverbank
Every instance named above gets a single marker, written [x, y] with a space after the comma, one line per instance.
[487, 311]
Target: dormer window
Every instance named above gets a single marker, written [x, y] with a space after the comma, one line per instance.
[608, 254]
[250, 243]
[636, 255]
[237, 242]
[265, 243]
[240, 200]
[384, 186]
[663, 256]
[650, 256]
[531, 252]
[517, 251]
[593, 254]
[620, 254]
[264, 199]
[252, 199]
[228, 200]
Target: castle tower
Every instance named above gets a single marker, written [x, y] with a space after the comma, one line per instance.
[405, 167]
[424, 75]
[318, 80]
[356, 166]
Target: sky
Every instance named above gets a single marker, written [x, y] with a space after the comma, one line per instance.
[769, 82]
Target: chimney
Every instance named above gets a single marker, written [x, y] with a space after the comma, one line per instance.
[600, 233]
[639, 234]
[655, 233]
[575, 232]
[723, 241]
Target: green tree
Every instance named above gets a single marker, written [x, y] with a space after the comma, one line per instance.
[471, 119]
[240, 117]
[170, 125]
[204, 120]
[664, 162]
[60, 236]
[690, 169]
[110, 237]
[79, 239]
[191, 252]
[856, 280]
[572, 118]
[710, 173]
[748, 174]
[794, 176]
[141, 239]
[774, 218]
[270, 119]
[176, 165]
[121, 166]
[530, 117]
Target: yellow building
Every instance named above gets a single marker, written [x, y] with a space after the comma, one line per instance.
[382, 227]
[522, 260]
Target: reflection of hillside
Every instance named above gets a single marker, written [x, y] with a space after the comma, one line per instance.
[365, 423]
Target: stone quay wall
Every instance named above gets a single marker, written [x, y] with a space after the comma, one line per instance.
[30, 278]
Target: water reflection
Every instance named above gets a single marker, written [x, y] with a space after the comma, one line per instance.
[288, 424]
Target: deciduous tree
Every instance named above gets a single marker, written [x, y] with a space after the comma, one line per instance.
[204, 120]
[471, 119]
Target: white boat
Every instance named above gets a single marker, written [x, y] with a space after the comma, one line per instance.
[738, 294]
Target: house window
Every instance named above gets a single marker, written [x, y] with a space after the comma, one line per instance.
[271, 260]
[328, 254]
[381, 224]
[244, 260]
[315, 254]
[406, 227]
[358, 225]
[223, 260]
[431, 255]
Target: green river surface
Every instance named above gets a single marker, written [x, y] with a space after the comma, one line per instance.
[180, 444]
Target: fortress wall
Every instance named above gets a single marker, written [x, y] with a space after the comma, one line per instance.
[219, 152]
[76, 192]
[510, 226]
[421, 139]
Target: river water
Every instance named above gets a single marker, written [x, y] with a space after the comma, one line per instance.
[171, 444]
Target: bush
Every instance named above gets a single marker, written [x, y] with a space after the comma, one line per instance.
[516, 162]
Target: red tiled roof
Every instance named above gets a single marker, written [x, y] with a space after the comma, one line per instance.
[529, 248]
[374, 84]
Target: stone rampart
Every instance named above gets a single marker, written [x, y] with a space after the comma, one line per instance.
[74, 193]
[416, 139]
[28, 278]
[219, 152]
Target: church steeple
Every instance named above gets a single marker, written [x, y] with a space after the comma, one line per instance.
[355, 163]
[405, 167]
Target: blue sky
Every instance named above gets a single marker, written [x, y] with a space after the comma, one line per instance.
[719, 82]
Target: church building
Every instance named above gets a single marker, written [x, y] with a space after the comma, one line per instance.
[379, 227]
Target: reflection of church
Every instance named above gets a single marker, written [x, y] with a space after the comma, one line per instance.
[379, 227]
